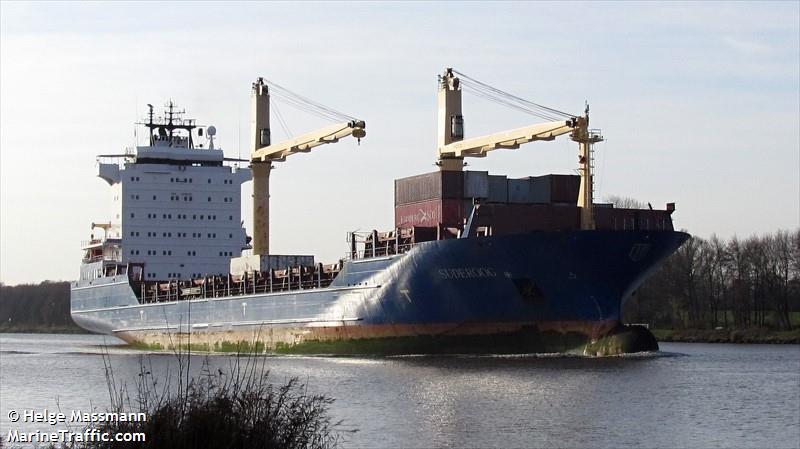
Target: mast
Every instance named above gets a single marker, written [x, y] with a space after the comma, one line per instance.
[261, 169]
[451, 120]
[586, 138]
[166, 127]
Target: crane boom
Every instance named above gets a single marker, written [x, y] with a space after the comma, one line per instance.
[304, 143]
[511, 139]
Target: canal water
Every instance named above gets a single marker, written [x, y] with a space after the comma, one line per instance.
[686, 395]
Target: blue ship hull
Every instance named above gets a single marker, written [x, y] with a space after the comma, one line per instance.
[509, 293]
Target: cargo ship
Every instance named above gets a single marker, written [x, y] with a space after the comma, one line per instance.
[476, 262]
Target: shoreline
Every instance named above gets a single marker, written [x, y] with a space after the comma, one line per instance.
[751, 335]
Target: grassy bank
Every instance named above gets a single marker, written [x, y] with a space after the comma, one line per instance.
[753, 335]
[41, 329]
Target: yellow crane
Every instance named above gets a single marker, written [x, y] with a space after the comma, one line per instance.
[263, 154]
[453, 148]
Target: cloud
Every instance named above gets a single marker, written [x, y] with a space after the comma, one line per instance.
[749, 47]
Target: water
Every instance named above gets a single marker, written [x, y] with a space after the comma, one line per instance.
[688, 395]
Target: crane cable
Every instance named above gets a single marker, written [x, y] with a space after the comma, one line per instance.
[281, 121]
[494, 99]
[302, 106]
[306, 104]
[509, 96]
[510, 100]
[506, 101]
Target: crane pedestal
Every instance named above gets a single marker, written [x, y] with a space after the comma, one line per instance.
[261, 171]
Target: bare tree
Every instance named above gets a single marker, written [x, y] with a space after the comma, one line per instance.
[624, 202]
[780, 253]
[715, 277]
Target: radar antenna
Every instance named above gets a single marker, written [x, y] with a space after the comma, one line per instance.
[211, 132]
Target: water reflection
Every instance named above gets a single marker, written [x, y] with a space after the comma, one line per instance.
[687, 396]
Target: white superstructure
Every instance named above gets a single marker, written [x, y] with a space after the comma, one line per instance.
[176, 206]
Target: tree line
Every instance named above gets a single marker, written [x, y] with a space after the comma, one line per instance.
[734, 283]
[35, 307]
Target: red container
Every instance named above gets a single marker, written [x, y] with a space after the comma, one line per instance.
[448, 212]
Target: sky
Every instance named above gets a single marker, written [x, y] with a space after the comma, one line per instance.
[699, 104]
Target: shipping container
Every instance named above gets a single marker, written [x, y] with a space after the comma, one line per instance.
[498, 189]
[564, 188]
[504, 219]
[449, 212]
[555, 189]
[519, 190]
[476, 184]
[540, 189]
[429, 186]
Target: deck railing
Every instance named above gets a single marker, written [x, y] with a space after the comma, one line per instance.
[273, 281]
[379, 251]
